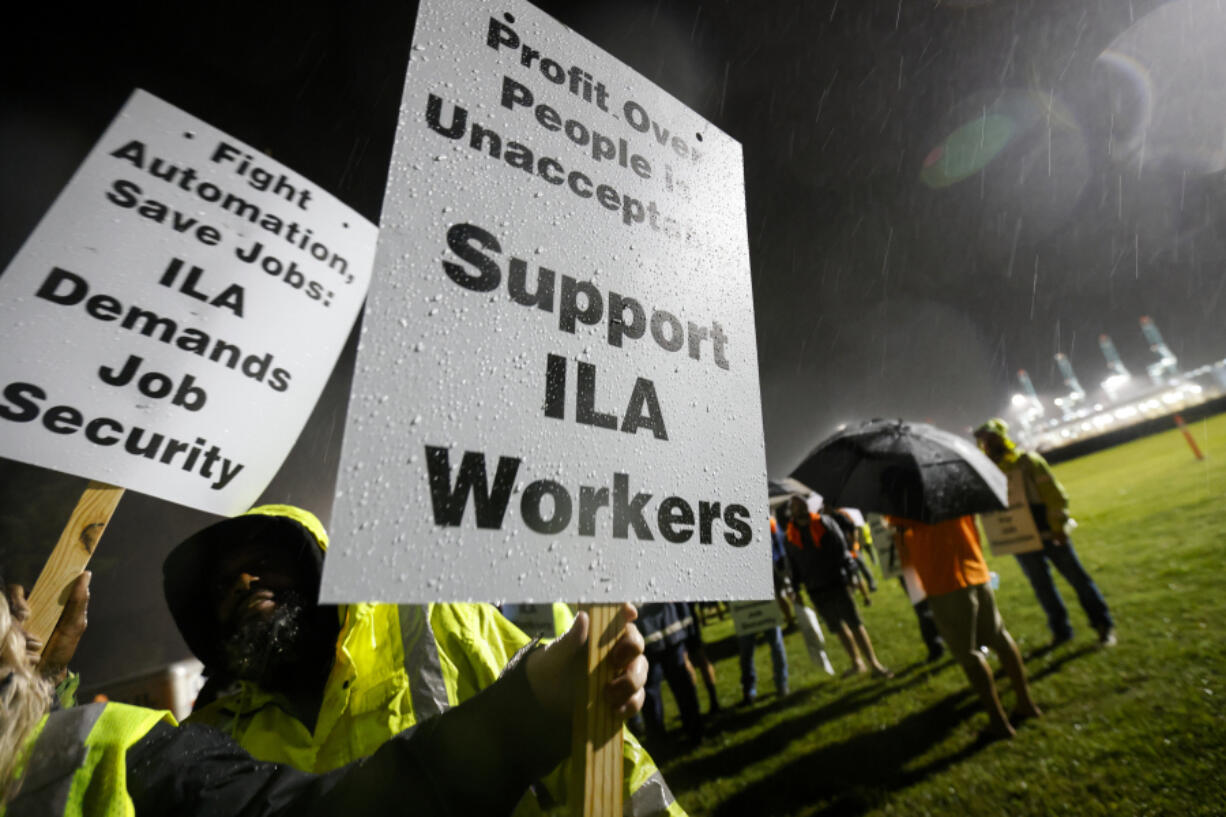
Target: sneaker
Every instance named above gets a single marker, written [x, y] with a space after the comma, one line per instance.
[1061, 638]
[782, 690]
[749, 698]
[1106, 637]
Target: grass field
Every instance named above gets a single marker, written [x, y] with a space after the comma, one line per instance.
[1138, 729]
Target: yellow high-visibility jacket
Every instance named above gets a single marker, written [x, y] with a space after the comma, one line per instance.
[1044, 493]
[396, 665]
[78, 766]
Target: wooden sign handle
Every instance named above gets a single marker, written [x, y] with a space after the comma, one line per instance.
[71, 554]
[596, 786]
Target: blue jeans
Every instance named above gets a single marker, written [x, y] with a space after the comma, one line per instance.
[779, 660]
[1064, 557]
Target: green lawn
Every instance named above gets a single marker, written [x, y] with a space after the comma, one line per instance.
[1138, 729]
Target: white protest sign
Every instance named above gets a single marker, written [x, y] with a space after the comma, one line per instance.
[534, 619]
[752, 617]
[170, 323]
[1012, 530]
[557, 393]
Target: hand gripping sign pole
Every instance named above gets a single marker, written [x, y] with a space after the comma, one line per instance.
[596, 785]
[72, 552]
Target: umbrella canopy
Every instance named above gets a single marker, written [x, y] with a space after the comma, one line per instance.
[911, 470]
[783, 490]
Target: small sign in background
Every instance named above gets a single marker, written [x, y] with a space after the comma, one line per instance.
[1012, 530]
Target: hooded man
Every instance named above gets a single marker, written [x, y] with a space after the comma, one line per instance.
[125, 761]
[317, 687]
[1049, 507]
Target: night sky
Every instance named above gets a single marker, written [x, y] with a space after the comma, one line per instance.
[895, 272]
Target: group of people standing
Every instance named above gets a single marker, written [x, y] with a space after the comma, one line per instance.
[323, 709]
[817, 549]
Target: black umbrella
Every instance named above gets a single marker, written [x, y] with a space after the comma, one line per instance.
[905, 469]
[783, 490]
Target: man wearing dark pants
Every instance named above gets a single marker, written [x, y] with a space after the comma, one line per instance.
[1049, 506]
[927, 626]
[663, 626]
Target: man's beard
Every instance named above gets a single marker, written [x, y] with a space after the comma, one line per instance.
[262, 649]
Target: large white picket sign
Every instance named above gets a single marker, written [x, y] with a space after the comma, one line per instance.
[557, 393]
[172, 320]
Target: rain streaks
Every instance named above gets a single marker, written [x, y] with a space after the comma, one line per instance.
[1034, 285]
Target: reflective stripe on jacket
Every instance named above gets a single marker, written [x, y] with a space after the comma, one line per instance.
[77, 767]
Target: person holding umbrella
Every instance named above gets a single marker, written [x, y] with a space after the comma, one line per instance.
[822, 555]
[950, 564]
[929, 482]
[1049, 507]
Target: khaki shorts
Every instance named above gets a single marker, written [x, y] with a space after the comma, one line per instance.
[968, 619]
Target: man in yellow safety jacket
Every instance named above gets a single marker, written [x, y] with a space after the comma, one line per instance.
[317, 687]
[115, 760]
[1049, 506]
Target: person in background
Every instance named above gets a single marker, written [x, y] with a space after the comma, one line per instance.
[822, 556]
[774, 637]
[865, 533]
[862, 579]
[781, 575]
[696, 661]
[1049, 506]
[950, 564]
[749, 673]
[927, 626]
[663, 626]
[318, 686]
[116, 759]
[923, 612]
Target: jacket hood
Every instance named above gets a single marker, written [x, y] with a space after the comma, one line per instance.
[187, 571]
[998, 427]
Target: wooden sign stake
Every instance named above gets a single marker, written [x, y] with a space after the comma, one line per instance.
[596, 784]
[71, 554]
[1187, 435]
